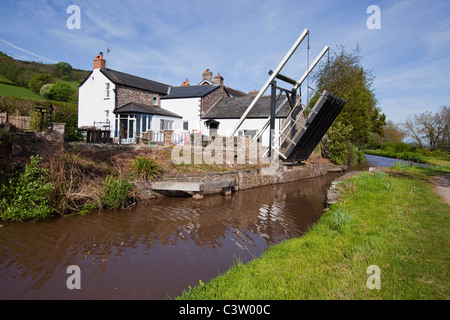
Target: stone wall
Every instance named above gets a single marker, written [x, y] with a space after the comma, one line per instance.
[211, 99]
[26, 144]
[246, 179]
[257, 178]
[126, 95]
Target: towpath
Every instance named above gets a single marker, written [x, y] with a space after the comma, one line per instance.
[442, 187]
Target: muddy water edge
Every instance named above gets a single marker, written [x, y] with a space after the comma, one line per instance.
[154, 251]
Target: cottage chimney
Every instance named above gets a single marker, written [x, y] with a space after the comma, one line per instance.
[99, 62]
[207, 75]
[218, 80]
[186, 83]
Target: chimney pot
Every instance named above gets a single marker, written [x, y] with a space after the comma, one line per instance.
[207, 75]
[218, 80]
[99, 62]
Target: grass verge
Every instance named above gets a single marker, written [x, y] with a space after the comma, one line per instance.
[19, 92]
[392, 220]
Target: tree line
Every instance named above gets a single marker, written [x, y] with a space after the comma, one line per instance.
[361, 124]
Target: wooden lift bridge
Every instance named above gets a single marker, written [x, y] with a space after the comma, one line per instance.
[305, 126]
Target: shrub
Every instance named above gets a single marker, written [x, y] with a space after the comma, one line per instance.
[342, 219]
[388, 146]
[38, 81]
[402, 147]
[116, 192]
[144, 168]
[29, 196]
[337, 138]
[60, 92]
[355, 156]
[45, 90]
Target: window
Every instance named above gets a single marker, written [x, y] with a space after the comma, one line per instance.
[138, 125]
[144, 123]
[155, 100]
[150, 122]
[250, 133]
[107, 92]
[166, 125]
[186, 125]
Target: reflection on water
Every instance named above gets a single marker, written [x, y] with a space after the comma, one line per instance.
[154, 251]
[378, 161]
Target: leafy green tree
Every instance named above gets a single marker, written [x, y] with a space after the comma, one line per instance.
[344, 76]
[62, 69]
[38, 81]
[60, 92]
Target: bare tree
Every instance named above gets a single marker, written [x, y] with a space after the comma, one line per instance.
[428, 129]
[392, 133]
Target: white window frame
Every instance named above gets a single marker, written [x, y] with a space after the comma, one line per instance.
[107, 90]
[162, 125]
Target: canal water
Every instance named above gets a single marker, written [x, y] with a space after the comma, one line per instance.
[155, 251]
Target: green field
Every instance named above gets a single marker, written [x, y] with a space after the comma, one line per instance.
[19, 92]
[5, 80]
[407, 238]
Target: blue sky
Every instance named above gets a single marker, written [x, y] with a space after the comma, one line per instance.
[171, 40]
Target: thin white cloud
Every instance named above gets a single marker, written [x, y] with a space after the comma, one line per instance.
[28, 52]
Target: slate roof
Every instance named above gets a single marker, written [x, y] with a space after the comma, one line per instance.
[234, 108]
[145, 109]
[235, 93]
[190, 92]
[129, 80]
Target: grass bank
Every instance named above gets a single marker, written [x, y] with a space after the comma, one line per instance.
[393, 220]
[18, 92]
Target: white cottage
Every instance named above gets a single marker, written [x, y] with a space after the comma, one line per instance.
[194, 101]
[106, 95]
[223, 116]
[131, 107]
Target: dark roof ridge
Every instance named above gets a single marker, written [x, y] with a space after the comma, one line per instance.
[133, 81]
[190, 91]
[133, 107]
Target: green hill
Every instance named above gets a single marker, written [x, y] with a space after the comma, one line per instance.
[18, 92]
[21, 81]
[24, 79]
[21, 72]
[3, 79]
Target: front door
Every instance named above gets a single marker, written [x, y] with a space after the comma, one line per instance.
[213, 127]
[131, 130]
[127, 130]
